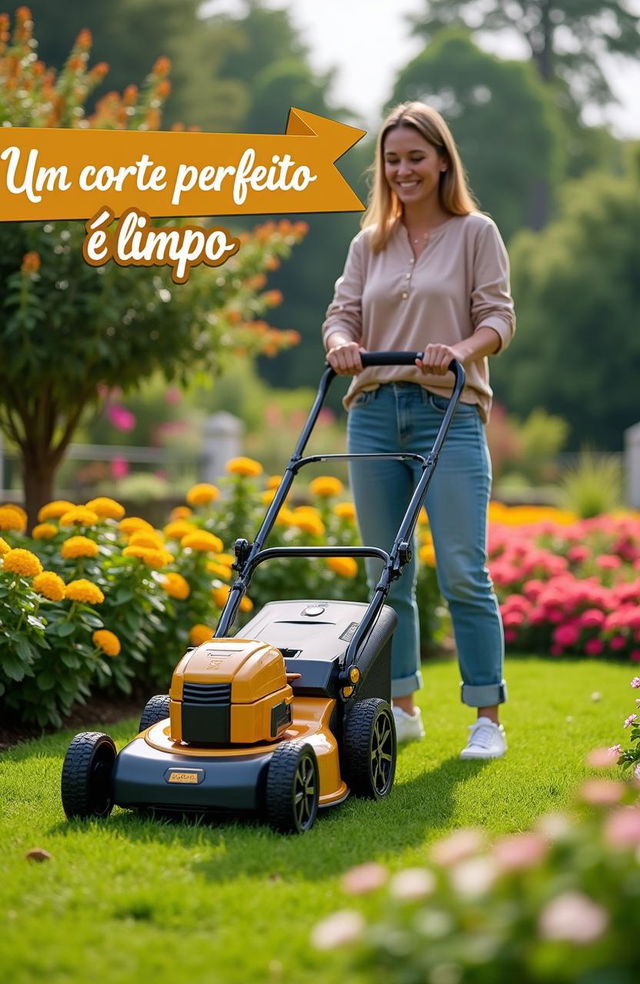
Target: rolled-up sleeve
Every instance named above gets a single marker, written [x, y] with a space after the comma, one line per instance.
[491, 302]
[344, 314]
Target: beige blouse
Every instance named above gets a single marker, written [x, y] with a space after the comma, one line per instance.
[390, 300]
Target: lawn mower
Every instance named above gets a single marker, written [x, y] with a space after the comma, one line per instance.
[290, 715]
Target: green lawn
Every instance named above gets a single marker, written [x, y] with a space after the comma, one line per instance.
[129, 900]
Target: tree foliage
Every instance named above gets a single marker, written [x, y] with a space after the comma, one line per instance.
[577, 292]
[71, 328]
[567, 38]
[503, 119]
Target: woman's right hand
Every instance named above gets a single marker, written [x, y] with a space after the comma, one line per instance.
[344, 358]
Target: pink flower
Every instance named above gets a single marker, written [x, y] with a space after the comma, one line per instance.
[457, 846]
[120, 417]
[473, 877]
[635, 655]
[172, 395]
[602, 792]
[592, 618]
[608, 562]
[630, 720]
[567, 635]
[617, 642]
[622, 828]
[593, 647]
[364, 878]
[412, 884]
[510, 635]
[519, 851]
[635, 683]
[339, 929]
[119, 467]
[603, 758]
[573, 917]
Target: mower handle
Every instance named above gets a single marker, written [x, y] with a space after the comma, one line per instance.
[389, 358]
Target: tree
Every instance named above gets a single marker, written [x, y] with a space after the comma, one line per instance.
[577, 292]
[72, 329]
[503, 119]
[567, 38]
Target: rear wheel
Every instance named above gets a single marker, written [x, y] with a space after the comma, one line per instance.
[87, 776]
[156, 709]
[369, 748]
[293, 789]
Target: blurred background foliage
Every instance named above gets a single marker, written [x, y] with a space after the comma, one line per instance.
[564, 193]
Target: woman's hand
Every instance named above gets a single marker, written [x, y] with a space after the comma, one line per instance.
[436, 359]
[344, 358]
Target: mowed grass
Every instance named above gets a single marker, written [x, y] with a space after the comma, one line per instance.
[131, 900]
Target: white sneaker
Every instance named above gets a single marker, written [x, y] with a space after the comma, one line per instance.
[486, 740]
[409, 727]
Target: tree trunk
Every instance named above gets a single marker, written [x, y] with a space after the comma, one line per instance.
[39, 466]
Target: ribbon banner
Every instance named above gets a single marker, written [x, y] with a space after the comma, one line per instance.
[48, 174]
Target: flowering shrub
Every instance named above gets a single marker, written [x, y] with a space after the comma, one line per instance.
[567, 587]
[96, 599]
[555, 904]
[629, 758]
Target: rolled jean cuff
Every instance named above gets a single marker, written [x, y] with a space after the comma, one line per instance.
[404, 686]
[487, 696]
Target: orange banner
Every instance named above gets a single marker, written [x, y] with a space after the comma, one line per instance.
[48, 174]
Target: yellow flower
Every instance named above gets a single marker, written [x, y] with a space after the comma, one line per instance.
[85, 591]
[106, 508]
[145, 538]
[202, 540]
[219, 570]
[285, 517]
[344, 566]
[267, 497]
[308, 523]
[22, 562]
[4, 547]
[132, 524]
[345, 510]
[427, 555]
[79, 546]
[246, 605]
[325, 486]
[273, 481]
[153, 557]
[220, 594]
[55, 509]
[244, 466]
[202, 494]
[79, 516]
[180, 512]
[200, 633]
[12, 518]
[225, 558]
[107, 641]
[176, 586]
[44, 531]
[49, 585]
[423, 519]
[178, 528]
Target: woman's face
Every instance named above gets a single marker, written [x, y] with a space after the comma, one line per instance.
[412, 166]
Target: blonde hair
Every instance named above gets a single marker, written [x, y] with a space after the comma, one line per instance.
[384, 208]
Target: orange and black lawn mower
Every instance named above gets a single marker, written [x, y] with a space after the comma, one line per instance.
[291, 715]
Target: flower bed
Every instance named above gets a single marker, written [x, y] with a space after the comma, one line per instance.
[567, 587]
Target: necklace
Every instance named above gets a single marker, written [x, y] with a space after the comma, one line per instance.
[421, 239]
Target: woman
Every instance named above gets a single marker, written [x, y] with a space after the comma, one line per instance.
[427, 273]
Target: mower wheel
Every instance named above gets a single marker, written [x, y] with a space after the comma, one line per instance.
[369, 748]
[156, 709]
[86, 784]
[293, 788]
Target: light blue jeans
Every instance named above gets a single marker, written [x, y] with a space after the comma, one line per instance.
[406, 417]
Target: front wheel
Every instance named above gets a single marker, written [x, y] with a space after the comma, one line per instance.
[369, 748]
[87, 776]
[156, 709]
[293, 788]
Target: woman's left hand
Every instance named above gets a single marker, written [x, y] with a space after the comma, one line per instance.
[436, 359]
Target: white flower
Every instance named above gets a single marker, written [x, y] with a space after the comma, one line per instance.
[339, 929]
[574, 917]
[474, 877]
[412, 883]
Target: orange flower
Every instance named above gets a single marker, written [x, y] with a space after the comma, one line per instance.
[180, 512]
[30, 263]
[153, 557]
[4, 547]
[176, 586]
[179, 528]
[345, 510]
[106, 508]
[55, 509]
[79, 516]
[79, 546]
[84, 591]
[246, 467]
[107, 641]
[202, 494]
[344, 566]
[325, 486]
[203, 541]
[146, 538]
[12, 518]
[21, 562]
[44, 531]
[49, 585]
[132, 524]
[220, 594]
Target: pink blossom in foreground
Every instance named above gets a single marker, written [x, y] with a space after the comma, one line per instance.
[573, 917]
[635, 682]
[554, 826]
[519, 851]
[630, 720]
[340, 929]
[364, 878]
[622, 827]
[458, 846]
[473, 877]
[120, 417]
[119, 467]
[412, 884]
[602, 792]
[603, 758]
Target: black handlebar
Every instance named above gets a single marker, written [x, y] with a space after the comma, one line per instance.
[389, 358]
